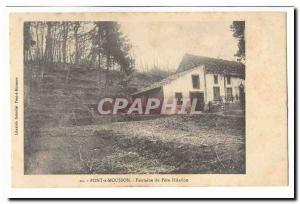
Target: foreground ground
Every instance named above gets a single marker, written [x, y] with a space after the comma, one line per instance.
[207, 143]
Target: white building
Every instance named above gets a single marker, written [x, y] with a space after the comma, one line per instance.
[206, 79]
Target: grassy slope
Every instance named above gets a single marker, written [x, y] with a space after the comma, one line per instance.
[163, 145]
[62, 137]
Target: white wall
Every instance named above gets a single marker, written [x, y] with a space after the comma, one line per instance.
[184, 85]
[210, 84]
[235, 83]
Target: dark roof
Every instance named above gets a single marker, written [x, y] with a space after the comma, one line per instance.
[164, 81]
[212, 65]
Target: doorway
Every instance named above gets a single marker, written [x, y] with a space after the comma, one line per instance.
[200, 100]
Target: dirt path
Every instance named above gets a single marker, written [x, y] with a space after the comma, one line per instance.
[163, 145]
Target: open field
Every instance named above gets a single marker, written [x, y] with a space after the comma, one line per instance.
[206, 143]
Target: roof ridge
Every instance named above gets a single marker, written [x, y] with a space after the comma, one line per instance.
[190, 60]
[213, 58]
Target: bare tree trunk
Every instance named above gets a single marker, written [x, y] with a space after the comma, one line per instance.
[59, 48]
[107, 70]
[48, 49]
[64, 41]
[76, 27]
[37, 42]
[54, 39]
[42, 42]
[224, 92]
[99, 70]
[27, 41]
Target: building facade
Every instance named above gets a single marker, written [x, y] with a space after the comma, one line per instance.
[208, 80]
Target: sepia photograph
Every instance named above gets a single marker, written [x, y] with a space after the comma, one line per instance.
[148, 99]
[134, 97]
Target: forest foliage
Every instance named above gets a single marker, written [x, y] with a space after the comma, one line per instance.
[93, 45]
[238, 29]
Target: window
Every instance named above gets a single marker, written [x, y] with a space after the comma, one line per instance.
[216, 93]
[228, 80]
[196, 81]
[178, 97]
[229, 94]
[216, 79]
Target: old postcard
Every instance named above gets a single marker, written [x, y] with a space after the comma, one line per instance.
[148, 99]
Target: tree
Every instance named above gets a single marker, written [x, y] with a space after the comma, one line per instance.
[238, 29]
[37, 41]
[76, 27]
[110, 44]
[97, 34]
[42, 30]
[116, 48]
[28, 42]
[106, 44]
[123, 57]
[67, 42]
[65, 31]
[48, 57]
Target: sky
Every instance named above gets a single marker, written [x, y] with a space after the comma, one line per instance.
[163, 44]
